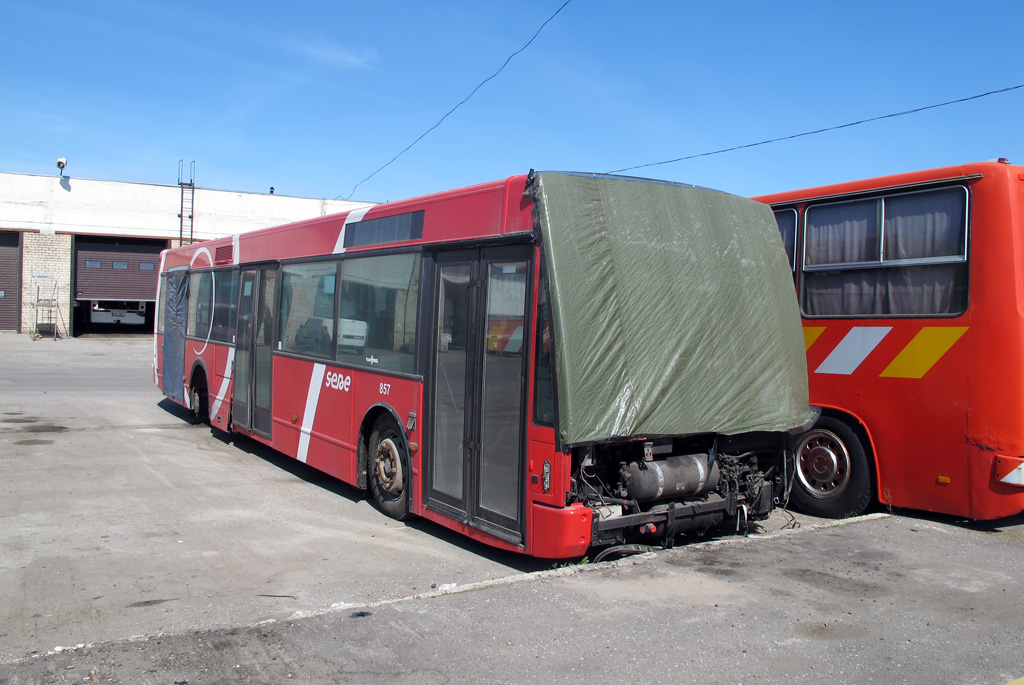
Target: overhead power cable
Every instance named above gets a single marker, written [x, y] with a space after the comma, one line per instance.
[820, 130]
[464, 100]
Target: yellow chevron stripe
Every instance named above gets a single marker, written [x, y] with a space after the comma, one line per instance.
[812, 333]
[921, 353]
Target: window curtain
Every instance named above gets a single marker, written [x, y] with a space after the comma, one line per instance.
[916, 226]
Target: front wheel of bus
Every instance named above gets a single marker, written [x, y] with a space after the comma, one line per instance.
[389, 468]
[833, 477]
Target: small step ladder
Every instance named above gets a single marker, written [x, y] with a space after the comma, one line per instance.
[49, 318]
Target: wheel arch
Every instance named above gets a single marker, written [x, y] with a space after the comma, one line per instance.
[199, 371]
[199, 365]
[863, 433]
[365, 429]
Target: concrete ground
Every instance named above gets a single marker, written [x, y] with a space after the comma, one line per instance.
[135, 547]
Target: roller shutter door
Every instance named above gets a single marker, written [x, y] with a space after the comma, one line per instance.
[117, 268]
[10, 281]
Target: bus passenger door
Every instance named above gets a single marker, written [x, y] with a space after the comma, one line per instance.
[250, 401]
[475, 464]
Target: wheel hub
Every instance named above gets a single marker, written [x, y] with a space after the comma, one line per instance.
[823, 464]
[389, 467]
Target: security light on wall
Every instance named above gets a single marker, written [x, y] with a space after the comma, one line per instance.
[61, 163]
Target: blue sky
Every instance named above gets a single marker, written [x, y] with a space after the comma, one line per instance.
[313, 97]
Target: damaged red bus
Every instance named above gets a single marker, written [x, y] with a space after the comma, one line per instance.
[545, 363]
[912, 294]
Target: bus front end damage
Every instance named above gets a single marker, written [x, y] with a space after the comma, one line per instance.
[649, 491]
[679, 363]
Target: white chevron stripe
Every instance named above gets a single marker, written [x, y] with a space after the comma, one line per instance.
[353, 216]
[853, 349]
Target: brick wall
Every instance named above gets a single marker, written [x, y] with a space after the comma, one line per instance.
[45, 266]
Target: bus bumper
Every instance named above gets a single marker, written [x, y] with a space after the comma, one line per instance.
[560, 533]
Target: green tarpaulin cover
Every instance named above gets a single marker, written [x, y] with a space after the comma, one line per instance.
[673, 310]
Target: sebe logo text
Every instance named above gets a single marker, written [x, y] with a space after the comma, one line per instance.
[338, 381]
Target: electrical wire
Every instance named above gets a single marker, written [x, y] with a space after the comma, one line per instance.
[464, 100]
[820, 130]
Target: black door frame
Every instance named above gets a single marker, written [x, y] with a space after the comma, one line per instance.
[468, 508]
[246, 413]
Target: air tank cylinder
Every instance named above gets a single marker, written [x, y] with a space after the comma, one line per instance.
[647, 481]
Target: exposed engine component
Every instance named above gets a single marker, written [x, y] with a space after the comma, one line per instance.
[652, 490]
[691, 474]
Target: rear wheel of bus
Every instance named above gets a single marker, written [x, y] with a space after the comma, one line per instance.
[389, 468]
[833, 476]
[200, 398]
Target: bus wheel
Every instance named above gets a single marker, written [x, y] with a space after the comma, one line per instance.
[200, 402]
[389, 468]
[833, 478]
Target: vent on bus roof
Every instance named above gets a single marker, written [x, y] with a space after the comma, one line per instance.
[223, 255]
[388, 229]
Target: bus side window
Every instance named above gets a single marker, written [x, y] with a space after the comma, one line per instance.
[225, 302]
[200, 303]
[543, 381]
[307, 309]
[786, 220]
[896, 255]
[377, 311]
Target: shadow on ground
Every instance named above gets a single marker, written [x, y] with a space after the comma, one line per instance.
[519, 562]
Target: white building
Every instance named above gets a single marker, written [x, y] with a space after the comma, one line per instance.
[76, 250]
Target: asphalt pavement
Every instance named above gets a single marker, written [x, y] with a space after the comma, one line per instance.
[138, 548]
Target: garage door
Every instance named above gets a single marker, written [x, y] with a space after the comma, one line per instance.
[10, 281]
[117, 268]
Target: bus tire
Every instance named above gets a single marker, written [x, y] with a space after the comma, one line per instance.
[833, 476]
[388, 468]
[200, 399]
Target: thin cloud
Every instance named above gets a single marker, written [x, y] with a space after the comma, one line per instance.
[326, 54]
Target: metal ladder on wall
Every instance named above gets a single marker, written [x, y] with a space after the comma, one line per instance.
[188, 192]
[49, 318]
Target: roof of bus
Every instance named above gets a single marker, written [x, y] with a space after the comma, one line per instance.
[483, 210]
[1000, 168]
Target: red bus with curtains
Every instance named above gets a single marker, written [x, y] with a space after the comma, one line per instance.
[511, 360]
[912, 294]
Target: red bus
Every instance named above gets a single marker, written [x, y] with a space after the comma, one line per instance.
[546, 363]
[912, 294]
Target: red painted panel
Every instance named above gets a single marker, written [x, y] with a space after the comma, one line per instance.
[319, 408]
[559, 532]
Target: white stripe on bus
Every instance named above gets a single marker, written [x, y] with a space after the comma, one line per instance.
[221, 394]
[312, 399]
[853, 349]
